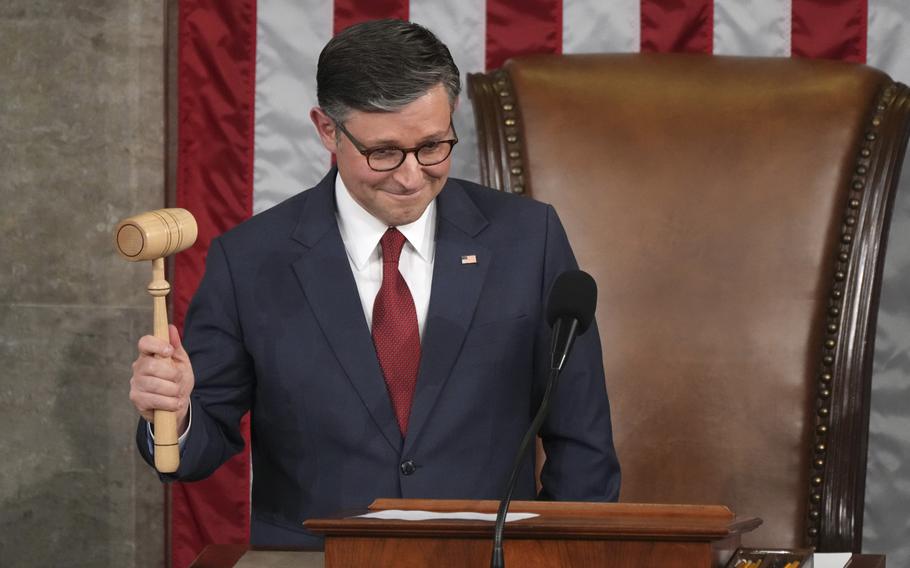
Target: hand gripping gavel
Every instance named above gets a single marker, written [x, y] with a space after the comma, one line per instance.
[153, 236]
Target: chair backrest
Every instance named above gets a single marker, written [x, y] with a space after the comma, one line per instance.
[734, 213]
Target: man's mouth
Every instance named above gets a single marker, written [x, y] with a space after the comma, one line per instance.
[402, 193]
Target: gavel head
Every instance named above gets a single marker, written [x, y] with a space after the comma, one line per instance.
[155, 234]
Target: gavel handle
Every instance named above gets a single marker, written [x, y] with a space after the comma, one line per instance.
[167, 451]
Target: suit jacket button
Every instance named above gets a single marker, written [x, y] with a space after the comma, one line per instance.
[407, 467]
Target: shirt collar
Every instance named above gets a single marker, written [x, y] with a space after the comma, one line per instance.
[361, 232]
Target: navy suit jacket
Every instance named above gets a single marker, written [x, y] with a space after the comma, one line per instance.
[277, 328]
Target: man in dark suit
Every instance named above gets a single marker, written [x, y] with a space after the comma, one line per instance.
[385, 328]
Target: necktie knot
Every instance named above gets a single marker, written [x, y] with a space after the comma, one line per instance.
[392, 242]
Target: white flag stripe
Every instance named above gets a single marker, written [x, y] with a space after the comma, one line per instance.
[462, 27]
[288, 156]
[888, 39]
[752, 27]
[601, 27]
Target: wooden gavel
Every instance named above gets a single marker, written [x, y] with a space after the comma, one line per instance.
[153, 236]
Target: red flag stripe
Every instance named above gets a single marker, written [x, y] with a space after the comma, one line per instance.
[830, 29]
[675, 26]
[517, 27]
[350, 12]
[216, 82]
[215, 120]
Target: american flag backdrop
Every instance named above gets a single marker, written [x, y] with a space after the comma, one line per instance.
[246, 83]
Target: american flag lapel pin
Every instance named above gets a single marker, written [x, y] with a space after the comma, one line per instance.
[469, 259]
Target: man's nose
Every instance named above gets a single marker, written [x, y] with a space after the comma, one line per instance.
[410, 173]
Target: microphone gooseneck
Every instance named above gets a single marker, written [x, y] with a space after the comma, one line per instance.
[570, 311]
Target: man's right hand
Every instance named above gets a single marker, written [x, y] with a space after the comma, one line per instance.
[162, 378]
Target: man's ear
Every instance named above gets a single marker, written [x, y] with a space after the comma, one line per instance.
[325, 127]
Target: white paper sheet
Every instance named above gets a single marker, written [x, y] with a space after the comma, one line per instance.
[830, 559]
[399, 515]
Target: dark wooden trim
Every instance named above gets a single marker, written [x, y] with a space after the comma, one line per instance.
[220, 555]
[557, 520]
[499, 138]
[171, 28]
[866, 561]
[837, 484]
[228, 555]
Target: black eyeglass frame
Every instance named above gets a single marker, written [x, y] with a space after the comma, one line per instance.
[367, 152]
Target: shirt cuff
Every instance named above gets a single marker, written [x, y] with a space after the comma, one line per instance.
[181, 441]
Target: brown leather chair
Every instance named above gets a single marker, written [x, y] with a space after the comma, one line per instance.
[734, 213]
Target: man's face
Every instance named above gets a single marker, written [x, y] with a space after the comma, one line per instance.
[399, 196]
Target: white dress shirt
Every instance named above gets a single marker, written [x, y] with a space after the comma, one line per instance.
[361, 233]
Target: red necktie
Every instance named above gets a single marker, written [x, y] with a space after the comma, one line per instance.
[395, 332]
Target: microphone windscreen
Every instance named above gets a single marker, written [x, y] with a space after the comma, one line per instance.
[573, 296]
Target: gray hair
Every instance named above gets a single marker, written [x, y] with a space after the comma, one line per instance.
[382, 66]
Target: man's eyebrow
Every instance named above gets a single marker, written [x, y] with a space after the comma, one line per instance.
[435, 137]
[388, 143]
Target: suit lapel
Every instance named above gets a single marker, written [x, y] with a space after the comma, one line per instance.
[455, 291]
[325, 276]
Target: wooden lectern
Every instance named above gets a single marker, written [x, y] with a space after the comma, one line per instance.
[619, 535]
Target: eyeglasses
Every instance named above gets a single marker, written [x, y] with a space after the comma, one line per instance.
[387, 158]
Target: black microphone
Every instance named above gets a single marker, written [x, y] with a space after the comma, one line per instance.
[570, 311]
